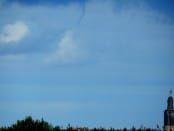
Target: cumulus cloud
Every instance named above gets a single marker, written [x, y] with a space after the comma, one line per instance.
[13, 32]
[67, 51]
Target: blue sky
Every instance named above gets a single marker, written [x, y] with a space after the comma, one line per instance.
[88, 63]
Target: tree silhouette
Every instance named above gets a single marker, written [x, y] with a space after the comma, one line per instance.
[28, 124]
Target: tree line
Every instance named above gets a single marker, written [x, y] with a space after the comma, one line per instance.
[28, 124]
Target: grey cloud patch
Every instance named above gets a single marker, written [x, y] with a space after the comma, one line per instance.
[130, 33]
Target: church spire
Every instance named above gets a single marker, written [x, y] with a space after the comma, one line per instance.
[169, 114]
[170, 92]
[170, 101]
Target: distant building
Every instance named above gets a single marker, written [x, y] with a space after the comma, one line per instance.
[169, 115]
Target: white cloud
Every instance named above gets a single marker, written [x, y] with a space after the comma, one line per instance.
[104, 30]
[67, 51]
[13, 32]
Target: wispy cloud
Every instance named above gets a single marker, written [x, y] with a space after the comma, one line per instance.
[67, 51]
[13, 32]
[12, 57]
[107, 33]
[46, 106]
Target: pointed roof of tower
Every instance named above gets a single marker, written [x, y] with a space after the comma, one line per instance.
[170, 101]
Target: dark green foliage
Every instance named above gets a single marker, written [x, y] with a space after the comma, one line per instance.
[28, 124]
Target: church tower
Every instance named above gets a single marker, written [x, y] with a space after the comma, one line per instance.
[169, 114]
